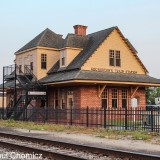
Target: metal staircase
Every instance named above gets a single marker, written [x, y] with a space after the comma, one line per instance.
[25, 83]
[11, 110]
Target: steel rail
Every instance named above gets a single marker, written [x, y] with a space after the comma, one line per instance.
[92, 149]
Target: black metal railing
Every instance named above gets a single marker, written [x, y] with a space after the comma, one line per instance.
[9, 70]
[117, 119]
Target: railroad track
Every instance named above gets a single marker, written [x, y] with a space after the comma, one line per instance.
[102, 153]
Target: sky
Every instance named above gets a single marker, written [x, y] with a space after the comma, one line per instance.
[138, 20]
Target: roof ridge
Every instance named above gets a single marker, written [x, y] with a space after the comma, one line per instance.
[90, 49]
[78, 74]
[73, 34]
[44, 32]
[101, 30]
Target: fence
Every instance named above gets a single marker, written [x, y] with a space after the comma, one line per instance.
[118, 119]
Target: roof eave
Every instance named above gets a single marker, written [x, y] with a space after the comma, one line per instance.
[135, 53]
[73, 81]
[37, 47]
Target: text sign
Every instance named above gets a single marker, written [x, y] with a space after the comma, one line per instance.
[36, 93]
[113, 70]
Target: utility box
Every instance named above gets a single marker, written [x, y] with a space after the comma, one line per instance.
[157, 100]
[134, 102]
[151, 119]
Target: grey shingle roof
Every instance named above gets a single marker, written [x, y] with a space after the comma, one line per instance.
[131, 45]
[55, 67]
[75, 41]
[88, 43]
[93, 41]
[8, 84]
[47, 38]
[98, 76]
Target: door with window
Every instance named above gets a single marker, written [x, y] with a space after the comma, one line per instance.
[56, 102]
[104, 98]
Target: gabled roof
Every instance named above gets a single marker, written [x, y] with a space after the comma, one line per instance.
[88, 43]
[95, 39]
[47, 38]
[93, 42]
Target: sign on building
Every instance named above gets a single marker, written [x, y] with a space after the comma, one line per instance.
[134, 102]
[36, 93]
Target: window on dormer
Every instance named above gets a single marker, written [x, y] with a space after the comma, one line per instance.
[43, 61]
[63, 61]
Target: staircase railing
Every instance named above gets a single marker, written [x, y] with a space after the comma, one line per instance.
[27, 81]
[10, 110]
[20, 72]
[29, 70]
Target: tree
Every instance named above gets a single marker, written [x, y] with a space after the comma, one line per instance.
[151, 94]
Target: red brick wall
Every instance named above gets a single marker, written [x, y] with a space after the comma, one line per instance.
[141, 93]
[89, 96]
[80, 29]
[76, 97]
[84, 96]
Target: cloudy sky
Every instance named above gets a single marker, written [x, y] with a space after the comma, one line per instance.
[139, 21]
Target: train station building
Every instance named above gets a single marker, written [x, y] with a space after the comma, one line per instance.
[101, 69]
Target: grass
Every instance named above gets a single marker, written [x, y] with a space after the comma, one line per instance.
[99, 132]
[141, 136]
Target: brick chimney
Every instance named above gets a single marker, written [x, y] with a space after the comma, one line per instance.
[80, 29]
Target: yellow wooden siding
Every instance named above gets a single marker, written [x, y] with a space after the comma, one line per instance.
[52, 58]
[70, 54]
[100, 58]
[1, 101]
[28, 54]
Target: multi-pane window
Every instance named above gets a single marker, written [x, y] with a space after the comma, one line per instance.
[114, 58]
[124, 98]
[114, 98]
[111, 57]
[31, 62]
[31, 65]
[118, 59]
[43, 61]
[63, 58]
[20, 68]
[104, 98]
[20, 65]
[62, 99]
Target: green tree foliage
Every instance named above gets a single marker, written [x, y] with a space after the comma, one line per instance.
[151, 94]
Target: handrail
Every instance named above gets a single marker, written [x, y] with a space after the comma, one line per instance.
[20, 72]
[28, 70]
